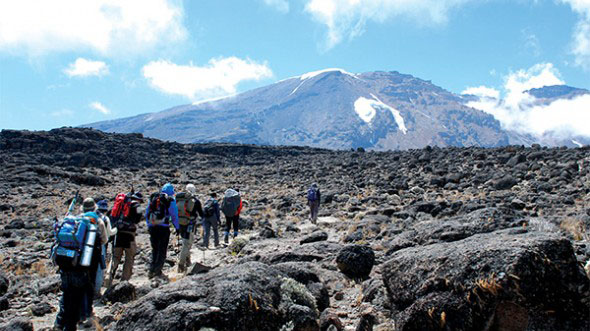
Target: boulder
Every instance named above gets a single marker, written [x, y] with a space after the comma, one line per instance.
[18, 324]
[314, 237]
[4, 283]
[246, 296]
[356, 261]
[122, 292]
[492, 279]
[41, 309]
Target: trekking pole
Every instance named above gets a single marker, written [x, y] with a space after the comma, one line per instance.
[72, 204]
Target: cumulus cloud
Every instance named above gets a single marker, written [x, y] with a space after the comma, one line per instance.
[519, 111]
[347, 18]
[581, 38]
[280, 5]
[100, 107]
[83, 68]
[218, 78]
[34, 27]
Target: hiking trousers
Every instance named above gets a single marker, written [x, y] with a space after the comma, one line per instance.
[187, 234]
[232, 221]
[159, 238]
[127, 266]
[209, 223]
[314, 208]
[74, 286]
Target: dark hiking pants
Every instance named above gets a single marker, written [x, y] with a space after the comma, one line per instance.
[232, 221]
[159, 237]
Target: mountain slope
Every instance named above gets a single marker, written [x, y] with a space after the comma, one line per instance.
[330, 108]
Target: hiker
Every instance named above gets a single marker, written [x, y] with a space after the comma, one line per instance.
[211, 218]
[78, 269]
[189, 207]
[125, 215]
[161, 210]
[313, 201]
[231, 206]
[89, 210]
[102, 208]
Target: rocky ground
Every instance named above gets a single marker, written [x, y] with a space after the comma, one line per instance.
[430, 239]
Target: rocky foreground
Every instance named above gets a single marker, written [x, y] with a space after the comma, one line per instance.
[429, 239]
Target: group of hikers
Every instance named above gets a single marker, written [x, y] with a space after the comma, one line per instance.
[82, 240]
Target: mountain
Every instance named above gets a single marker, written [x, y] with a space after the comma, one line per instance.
[330, 108]
[551, 93]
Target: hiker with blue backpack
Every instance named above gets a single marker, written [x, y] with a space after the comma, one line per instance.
[77, 253]
[313, 201]
[160, 212]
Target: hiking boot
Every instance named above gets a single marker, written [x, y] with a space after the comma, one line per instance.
[226, 238]
[151, 274]
[181, 268]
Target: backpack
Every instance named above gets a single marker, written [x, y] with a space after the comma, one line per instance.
[209, 208]
[70, 237]
[231, 203]
[120, 213]
[312, 194]
[158, 210]
[186, 206]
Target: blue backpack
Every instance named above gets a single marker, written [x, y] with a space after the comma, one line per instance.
[312, 194]
[70, 234]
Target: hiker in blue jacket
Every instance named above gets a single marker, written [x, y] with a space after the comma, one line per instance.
[160, 212]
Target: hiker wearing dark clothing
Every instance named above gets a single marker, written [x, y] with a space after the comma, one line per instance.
[313, 201]
[160, 212]
[231, 206]
[78, 278]
[124, 239]
[211, 218]
[189, 209]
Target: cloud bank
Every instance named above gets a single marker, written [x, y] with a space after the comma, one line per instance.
[219, 77]
[106, 26]
[84, 68]
[519, 111]
[347, 18]
[581, 38]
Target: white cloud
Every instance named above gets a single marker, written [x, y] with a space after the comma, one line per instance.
[280, 5]
[522, 112]
[348, 17]
[483, 92]
[109, 27]
[83, 68]
[581, 38]
[100, 107]
[218, 78]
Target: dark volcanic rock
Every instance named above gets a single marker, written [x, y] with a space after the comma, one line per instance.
[248, 296]
[314, 237]
[505, 183]
[18, 324]
[466, 285]
[41, 309]
[356, 261]
[122, 292]
[4, 283]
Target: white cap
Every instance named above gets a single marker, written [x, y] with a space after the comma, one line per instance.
[191, 188]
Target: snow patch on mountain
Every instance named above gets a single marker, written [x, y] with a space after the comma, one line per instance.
[579, 144]
[319, 72]
[367, 109]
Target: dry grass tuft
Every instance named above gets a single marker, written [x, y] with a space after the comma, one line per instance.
[489, 285]
[576, 228]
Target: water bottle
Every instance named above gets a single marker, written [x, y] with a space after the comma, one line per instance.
[88, 245]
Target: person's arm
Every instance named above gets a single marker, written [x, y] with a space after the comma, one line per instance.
[173, 211]
[110, 230]
[198, 210]
[217, 213]
[103, 232]
[147, 211]
[319, 196]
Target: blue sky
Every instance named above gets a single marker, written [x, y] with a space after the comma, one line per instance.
[70, 63]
